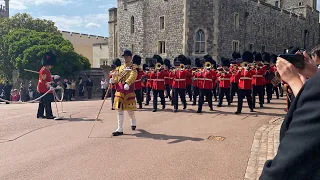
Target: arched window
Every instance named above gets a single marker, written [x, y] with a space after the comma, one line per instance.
[132, 24]
[200, 42]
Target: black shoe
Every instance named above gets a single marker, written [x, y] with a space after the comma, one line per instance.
[176, 110]
[112, 109]
[146, 104]
[215, 100]
[237, 112]
[154, 110]
[185, 107]
[251, 110]
[211, 109]
[268, 102]
[133, 128]
[51, 117]
[219, 105]
[41, 117]
[117, 133]
[140, 106]
[190, 100]
[229, 104]
[261, 105]
[163, 107]
[199, 111]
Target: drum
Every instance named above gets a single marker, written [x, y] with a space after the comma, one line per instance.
[276, 81]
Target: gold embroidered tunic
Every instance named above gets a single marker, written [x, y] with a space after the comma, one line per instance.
[125, 99]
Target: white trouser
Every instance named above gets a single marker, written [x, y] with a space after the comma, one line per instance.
[121, 118]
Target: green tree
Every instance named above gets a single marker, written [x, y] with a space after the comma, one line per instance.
[23, 41]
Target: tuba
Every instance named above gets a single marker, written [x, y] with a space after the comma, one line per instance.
[182, 66]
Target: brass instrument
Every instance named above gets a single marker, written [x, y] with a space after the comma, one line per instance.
[207, 65]
[182, 66]
[158, 66]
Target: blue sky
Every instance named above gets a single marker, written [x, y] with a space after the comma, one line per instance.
[83, 16]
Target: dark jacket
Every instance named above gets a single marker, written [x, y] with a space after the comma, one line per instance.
[298, 155]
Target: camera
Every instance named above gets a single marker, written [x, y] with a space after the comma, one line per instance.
[297, 60]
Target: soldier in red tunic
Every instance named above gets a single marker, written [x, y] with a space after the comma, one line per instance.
[245, 82]
[44, 85]
[179, 83]
[116, 63]
[137, 84]
[195, 83]
[158, 84]
[144, 80]
[258, 79]
[235, 75]
[149, 83]
[189, 79]
[167, 78]
[206, 79]
[224, 82]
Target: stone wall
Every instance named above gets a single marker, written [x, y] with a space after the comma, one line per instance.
[112, 39]
[100, 55]
[265, 25]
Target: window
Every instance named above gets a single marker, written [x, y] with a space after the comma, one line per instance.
[132, 24]
[251, 47]
[132, 48]
[236, 20]
[276, 4]
[235, 46]
[161, 47]
[263, 49]
[300, 3]
[200, 42]
[162, 22]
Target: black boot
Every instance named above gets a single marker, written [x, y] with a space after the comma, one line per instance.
[199, 111]
[154, 110]
[117, 133]
[237, 112]
[133, 128]
[140, 106]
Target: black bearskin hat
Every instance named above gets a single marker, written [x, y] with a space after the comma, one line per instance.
[225, 62]
[208, 58]
[117, 62]
[266, 57]
[158, 58]
[236, 55]
[144, 67]
[176, 62]
[167, 63]
[273, 58]
[188, 61]
[183, 59]
[136, 59]
[258, 57]
[247, 56]
[49, 59]
[197, 62]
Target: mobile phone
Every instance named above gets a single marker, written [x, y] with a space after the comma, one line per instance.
[297, 60]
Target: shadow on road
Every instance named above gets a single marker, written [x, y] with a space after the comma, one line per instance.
[176, 139]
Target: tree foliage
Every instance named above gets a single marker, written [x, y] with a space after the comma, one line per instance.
[24, 40]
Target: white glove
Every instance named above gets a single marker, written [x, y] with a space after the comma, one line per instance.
[126, 87]
[51, 88]
[55, 77]
[111, 81]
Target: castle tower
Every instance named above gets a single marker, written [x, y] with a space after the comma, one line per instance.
[7, 7]
[113, 35]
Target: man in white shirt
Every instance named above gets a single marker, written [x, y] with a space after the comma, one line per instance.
[103, 88]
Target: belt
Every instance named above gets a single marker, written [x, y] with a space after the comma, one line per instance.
[257, 76]
[206, 79]
[138, 80]
[224, 79]
[180, 79]
[167, 77]
[247, 78]
[158, 79]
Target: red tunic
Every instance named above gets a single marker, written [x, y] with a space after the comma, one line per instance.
[195, 82]
[137, 83]
[258, 77]
[215, 78]
[189, 76]
[179, 79]
[245, 81]
[235, 78]
[149, 80]
[110, 76]
[42, 84]
[224, 80]
[272, 70]
[167, 80]
[206, 79]
[158, 80]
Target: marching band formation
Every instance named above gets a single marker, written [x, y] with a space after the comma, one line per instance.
[247, 75]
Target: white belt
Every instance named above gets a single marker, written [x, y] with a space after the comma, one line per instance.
[247, 78]
[138, 80]
[180, 79]
[224, 79]
[167, 77]
[206, 79]
[257, 76]
[158, 79]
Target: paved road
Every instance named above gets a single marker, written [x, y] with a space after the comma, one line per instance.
[166, 145]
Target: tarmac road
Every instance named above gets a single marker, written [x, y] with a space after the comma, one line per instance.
[165, 146]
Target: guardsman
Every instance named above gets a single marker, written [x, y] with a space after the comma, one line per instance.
[167, 78]
[195, 83]
[149, 83]
[179, 83]
[144, 79]
[268, 77]
[245, 82]
[206, 80]
[224, 82]
[44, 85]
[136, 60]
[158, 83]
[124, 79]
[115, 65]
[189, 79]
[234, 80]
[274, 69]
[258, 79]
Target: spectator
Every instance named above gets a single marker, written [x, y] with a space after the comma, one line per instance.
[103, 88]
[73, 90]
[68, 90]
[15, 96]
[23, 93]
[298, 154]
[315, 55]
[89, 85]
[31, 91]
[7, 91]
[81, 88]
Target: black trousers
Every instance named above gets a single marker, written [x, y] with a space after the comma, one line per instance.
[242, 93]
[196, 92]
[222, 92]
[189, 91]
[269, 88]
[89, 89]
[182, 93]
[215, 90]
[167, 86]
[257, 90]
[139, 98]
[112, 92]
[155, 98]
[276, 89]
[45, 105]
[208, 94]
[234, 90]
[103, 93]
[281, 89]
[148, 97]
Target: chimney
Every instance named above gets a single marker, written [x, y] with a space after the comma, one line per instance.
[7, 7]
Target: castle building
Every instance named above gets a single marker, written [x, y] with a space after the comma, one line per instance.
[216, 27]
[4, 10]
